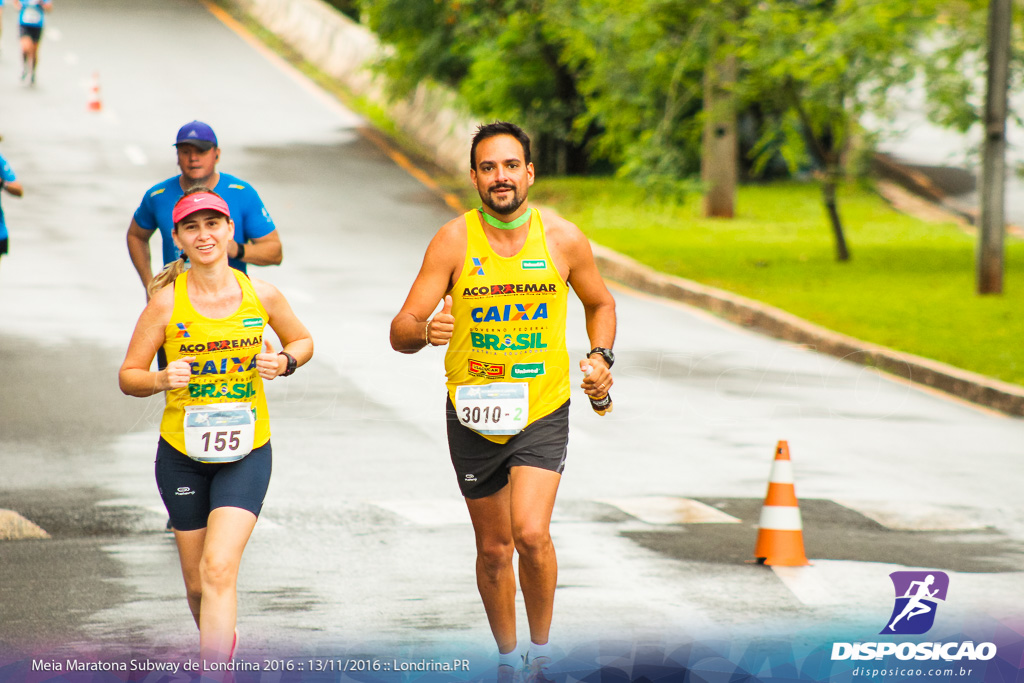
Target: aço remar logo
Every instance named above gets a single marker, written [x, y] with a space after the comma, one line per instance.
[917, 598]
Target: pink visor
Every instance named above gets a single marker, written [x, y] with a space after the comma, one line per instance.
[188, 205]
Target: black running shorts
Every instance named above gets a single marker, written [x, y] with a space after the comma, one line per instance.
[482, 466]
[33, 32]
[191, 489]
[4, 245]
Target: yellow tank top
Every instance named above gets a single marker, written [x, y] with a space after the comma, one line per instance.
[510, 320]
[224, 369]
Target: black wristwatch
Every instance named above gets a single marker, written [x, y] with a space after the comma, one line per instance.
[609, 357]
[241, 251]
[292, 363]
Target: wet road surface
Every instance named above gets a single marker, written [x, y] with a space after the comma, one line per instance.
[364, 545]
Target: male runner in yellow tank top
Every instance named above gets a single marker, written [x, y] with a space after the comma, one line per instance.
[502, 272]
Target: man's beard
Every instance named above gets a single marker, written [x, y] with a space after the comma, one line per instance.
[511, 206]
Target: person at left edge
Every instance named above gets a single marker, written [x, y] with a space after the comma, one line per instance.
[10, 183]
[212, 469]
[255, 240]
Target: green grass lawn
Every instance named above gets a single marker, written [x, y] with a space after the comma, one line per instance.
[909, 286]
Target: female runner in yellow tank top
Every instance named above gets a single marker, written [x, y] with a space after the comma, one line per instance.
[210, 322]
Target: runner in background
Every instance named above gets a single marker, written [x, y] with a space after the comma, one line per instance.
[255, 240]
[30, 27]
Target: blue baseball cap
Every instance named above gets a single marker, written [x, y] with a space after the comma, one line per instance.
[198, 134]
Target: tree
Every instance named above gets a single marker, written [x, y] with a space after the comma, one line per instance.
[640, 65]
[974, 59]
[821, 65]
[993, 170]
[503, 57]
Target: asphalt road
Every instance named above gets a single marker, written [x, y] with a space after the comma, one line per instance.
[364, 547]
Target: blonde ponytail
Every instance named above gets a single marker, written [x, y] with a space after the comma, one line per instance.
[166, 276]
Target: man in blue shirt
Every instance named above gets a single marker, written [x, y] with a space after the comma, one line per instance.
[10, 183]
[255, 241]
[30, 27]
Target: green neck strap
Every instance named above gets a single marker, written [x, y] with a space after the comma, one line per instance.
[502, 225]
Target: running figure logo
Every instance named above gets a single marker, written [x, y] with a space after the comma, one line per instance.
[917, 596]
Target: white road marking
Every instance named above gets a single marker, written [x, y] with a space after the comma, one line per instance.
[136, 155]
[429, 512]
[670, 510]
[15, 527]
[808, 585]
[866, 588]
[906, 516]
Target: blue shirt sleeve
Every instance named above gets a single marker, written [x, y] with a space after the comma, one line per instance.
[6, 172]
[154, 213]
[145, 215]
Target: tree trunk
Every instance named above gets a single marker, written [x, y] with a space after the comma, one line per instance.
[989, 268]
[828, 188]
[719, 156]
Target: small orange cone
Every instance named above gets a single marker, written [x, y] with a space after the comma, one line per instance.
[94, 95]
[780, 536]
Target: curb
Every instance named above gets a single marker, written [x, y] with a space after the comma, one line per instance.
[344, 50]
[773, 322]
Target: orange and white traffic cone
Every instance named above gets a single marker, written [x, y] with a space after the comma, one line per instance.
[780, 536]
[95, 104]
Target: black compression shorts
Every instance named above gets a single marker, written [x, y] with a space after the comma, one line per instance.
[191, 489]
[482, 466]
[33, 32]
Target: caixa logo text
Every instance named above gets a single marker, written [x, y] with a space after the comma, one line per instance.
[949, 652]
